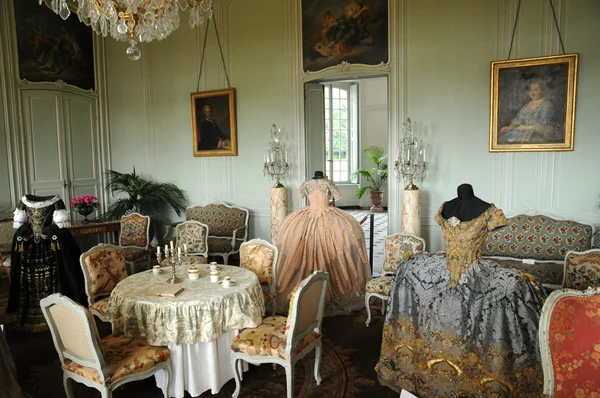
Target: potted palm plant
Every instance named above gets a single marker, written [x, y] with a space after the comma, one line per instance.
[135, 194]
[372, 179]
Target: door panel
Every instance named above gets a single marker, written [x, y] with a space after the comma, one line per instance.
[315, 127]
[80, 121]
[44, 141]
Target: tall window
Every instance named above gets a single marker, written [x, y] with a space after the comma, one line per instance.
[341, 131]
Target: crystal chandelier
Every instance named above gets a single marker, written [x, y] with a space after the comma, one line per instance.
[411, 162]
[135, 21]
[276, 160]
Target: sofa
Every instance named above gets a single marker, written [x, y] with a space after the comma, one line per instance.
[537, 245]
[227, 227]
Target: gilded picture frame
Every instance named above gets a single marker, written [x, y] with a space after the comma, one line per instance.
[214, 130]
[532, 104]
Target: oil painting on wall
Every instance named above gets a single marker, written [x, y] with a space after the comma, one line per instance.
[533, 104]
[214, 131]
[51, 49]
[344, 30]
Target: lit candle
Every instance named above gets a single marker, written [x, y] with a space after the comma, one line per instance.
[171, 244]
[158, 251]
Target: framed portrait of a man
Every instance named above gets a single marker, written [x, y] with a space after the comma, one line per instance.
[533, 104]
[214, 131]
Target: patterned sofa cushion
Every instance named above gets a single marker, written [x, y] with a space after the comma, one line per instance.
[538, 237]
[221, 220]
[546, 273]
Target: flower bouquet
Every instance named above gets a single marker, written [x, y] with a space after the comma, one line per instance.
[85, 205]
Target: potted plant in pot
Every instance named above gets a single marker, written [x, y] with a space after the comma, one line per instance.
[373, 178]
[135, 194]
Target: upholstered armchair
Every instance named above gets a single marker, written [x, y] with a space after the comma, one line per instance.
[103, 267]
[569, 336]
[582, 269]
[227, 227]
[397, 248]
[103, 364]
[282, 340]
[135, 240]
[260, 257]
[194, 234]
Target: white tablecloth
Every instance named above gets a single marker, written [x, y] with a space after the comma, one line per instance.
[198, 325]
[200, 367]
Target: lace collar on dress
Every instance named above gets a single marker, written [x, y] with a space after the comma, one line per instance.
[44, 203]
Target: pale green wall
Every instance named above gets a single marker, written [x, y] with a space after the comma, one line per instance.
[447, 49]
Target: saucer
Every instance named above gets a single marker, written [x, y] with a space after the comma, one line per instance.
[159, 272]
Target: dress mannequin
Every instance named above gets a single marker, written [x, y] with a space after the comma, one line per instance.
[459, 325]
[322, 237]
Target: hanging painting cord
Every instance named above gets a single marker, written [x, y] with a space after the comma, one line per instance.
[512, 39]
[204, 52]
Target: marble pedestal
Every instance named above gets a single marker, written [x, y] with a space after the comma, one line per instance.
[411, 211]
[278, 211]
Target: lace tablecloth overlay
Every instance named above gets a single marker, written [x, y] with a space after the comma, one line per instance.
[201, 313]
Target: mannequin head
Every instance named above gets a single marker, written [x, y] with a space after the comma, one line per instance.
[465, 191]
[466, 206]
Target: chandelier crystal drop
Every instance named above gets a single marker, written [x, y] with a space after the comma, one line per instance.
[134, 21]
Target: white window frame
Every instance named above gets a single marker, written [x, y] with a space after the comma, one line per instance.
[352, 130]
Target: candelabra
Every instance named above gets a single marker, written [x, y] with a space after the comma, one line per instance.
[171, 257]
[411, 162]
[276, 160]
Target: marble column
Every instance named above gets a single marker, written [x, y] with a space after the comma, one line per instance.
[411, 211]
[278, 211]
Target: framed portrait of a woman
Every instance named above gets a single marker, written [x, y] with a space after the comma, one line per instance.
[533, 104]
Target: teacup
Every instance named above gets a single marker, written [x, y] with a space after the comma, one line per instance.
[213, 266]
[193, 273]
[156, 269]
[214, 276]
[226, 281]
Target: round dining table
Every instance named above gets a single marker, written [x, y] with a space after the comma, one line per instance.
[197, 324]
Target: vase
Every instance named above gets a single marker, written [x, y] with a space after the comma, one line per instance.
[376, 199]
[85, 210]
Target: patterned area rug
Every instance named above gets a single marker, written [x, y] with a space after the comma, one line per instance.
[350, 352]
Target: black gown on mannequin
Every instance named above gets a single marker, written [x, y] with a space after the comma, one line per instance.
[459, 325]
[44, 260]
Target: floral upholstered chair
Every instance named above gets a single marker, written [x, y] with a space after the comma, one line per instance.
[570, 343]
[194, 235]
[103, 364]
[582, 269]
[6, 237]
[103, 267]
[135, 240]
[227, 227]
[397, 248]
[284, 341]
[260, 257]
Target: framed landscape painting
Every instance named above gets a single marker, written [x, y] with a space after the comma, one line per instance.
[533, 104]
[337, 31]
[214, 131]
